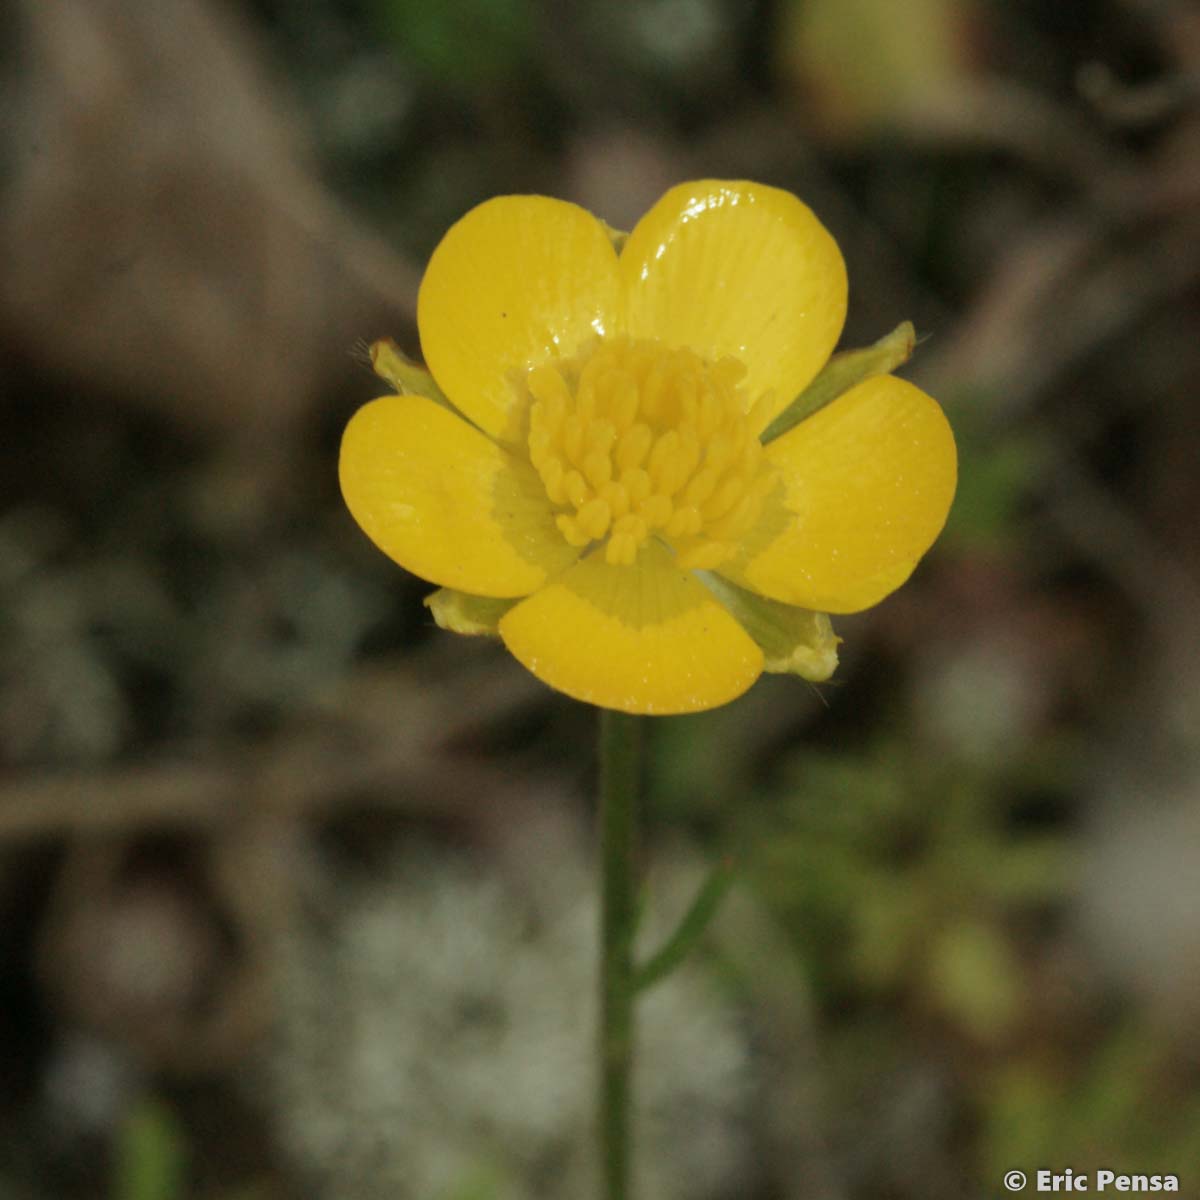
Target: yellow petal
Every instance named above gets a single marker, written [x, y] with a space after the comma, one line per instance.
[794, 641]
[738, 269]
[517, 280]
[647, 638]
[866, 486]
[446, 502]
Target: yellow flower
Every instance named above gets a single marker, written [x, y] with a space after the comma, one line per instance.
[596, 490]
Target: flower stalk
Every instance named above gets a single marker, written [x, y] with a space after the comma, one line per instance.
[620, 772]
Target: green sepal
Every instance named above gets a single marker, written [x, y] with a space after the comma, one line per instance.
[461, 612]
[794, 641]
[841, 373]
[391, 364]
[618, 237]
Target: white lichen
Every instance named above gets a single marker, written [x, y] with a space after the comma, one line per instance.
[436, 1030]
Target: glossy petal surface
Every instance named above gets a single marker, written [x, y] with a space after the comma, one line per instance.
[645, 639]
[865, 488]
[738, 269]
[446, 502]
[518, 280]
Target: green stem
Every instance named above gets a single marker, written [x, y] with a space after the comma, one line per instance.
[620, 745]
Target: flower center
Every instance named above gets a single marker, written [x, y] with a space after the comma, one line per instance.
[631, 438]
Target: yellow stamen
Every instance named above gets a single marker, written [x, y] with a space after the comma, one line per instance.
[597, 469]
[594, 517]
[576, 489]
[701, 485]
[617, 497]
[637, 484]
[572, 436]
[569, 527]
[634, 446]
[655, 511]
[631, 437]
[625, 401]
[552, 476]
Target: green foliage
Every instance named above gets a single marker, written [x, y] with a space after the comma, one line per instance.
[151, 1155]
[973, 973]
[868, 64]
[699, 762]
[483, 1182]
[897, 877]
[469, 45]
[996, 475]
[1125, 1107]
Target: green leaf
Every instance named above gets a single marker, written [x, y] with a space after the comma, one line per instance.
[689, 930]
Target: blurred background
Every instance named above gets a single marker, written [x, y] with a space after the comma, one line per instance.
[296, 896]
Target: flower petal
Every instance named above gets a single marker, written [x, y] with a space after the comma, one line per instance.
[647, 638]
[866, 487]
[738, 269]
[446, 502]
[517, 280]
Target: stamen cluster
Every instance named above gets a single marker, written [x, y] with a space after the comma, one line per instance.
[632, 438]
